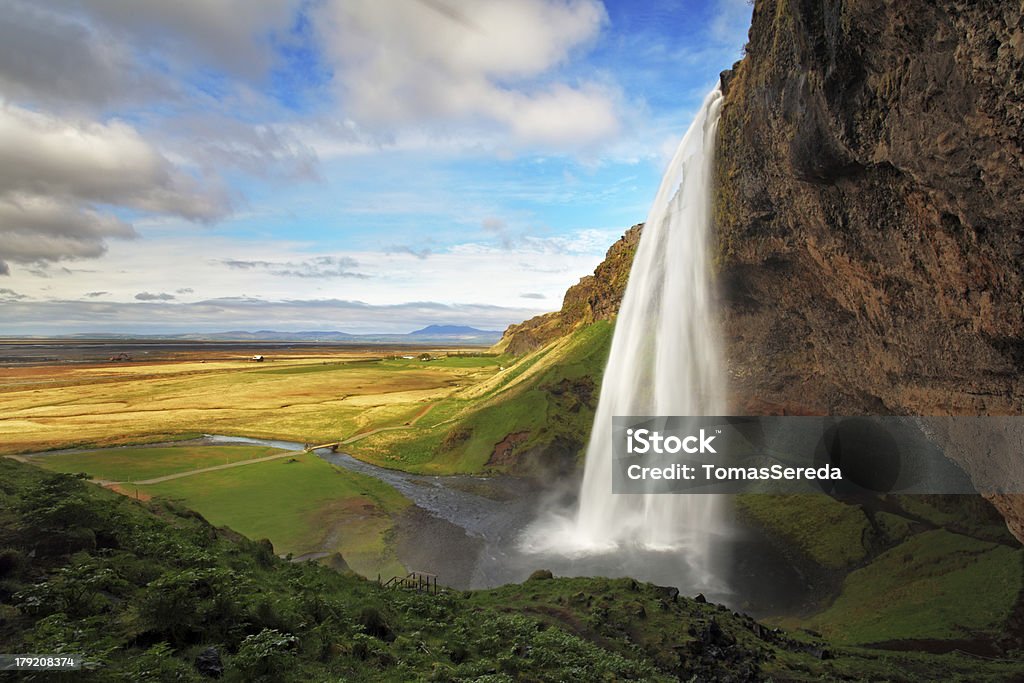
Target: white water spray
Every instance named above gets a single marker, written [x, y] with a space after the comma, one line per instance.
[664, 361]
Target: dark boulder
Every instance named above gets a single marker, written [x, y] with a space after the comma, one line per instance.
[208, 663]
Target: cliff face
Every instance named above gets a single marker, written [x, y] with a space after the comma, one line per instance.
[594, 297]
[871, 210]
[870, 207]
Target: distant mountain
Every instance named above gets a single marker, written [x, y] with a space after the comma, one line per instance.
[451, 331]
[432, 334]
[269, 335]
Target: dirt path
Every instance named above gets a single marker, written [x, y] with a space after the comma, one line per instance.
[241, 463]
[409, 425]
[189, 473]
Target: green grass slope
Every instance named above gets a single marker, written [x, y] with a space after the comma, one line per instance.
[936, 586]
[301, 503]
[911, 572]
[141, 590]
[533, 414]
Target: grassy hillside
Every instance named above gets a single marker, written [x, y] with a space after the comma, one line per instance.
[533, 414]
[939, 572]
[300, 502]
[143, 591]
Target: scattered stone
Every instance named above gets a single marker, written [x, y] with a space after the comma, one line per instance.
[819, 652]
[700, 599]
[336, 562]
[541, 575]
[208, 663]
[668, 592]
[581, 597]
[761, 632]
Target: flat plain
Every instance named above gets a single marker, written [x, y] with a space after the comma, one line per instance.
[129, 422]
[322, 395]
[302, 504]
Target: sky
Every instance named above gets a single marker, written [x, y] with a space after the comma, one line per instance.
[354, 165]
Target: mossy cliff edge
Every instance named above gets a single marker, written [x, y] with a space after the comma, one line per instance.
[595, 297]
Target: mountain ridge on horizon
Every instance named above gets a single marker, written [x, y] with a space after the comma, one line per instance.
[433, 332]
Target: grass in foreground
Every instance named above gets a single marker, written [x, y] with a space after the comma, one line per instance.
[142, 589]
[302, 504]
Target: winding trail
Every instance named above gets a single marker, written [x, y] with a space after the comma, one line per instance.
[189, 473]
[409, 425]
[277, 456]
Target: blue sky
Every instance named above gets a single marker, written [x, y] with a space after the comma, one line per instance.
[361, 165]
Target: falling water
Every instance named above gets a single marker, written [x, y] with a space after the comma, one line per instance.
[664, 360]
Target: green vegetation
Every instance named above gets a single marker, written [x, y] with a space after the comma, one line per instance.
[302, 504]
[546, 398]
[470, 404]
[893, 573]
[830, 533]
[937, 585]
[138, 464]
[971, 515]
[145, 590]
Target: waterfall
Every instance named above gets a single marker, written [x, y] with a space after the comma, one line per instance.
[664, 360]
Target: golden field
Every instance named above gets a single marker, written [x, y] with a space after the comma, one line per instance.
[320, 395]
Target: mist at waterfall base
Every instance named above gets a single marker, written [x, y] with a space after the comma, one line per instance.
[664, 360]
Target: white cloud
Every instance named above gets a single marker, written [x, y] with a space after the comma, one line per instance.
[438, 62]
[67, 167]
[470, 273]
[319, 267]
[37, 229]
[109, 163]
[55, 171]
[50, 57]
[233, 35]
[219, 142]
[149, 296]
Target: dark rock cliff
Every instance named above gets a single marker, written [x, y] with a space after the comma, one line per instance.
[871, 210]
[594, 297]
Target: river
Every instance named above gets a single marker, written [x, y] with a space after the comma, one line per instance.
[469, 533]
[468, 530]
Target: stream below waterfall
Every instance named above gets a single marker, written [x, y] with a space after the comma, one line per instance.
[467, 530]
